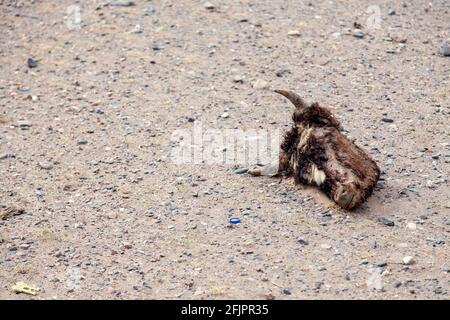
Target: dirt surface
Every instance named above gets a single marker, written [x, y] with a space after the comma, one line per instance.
[86, 138]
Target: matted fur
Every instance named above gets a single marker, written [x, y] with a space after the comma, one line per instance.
[315, 152]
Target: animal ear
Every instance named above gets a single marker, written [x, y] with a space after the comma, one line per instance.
[324, 115]
[296, 100]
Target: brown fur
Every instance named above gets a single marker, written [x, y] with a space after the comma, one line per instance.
[315, 152]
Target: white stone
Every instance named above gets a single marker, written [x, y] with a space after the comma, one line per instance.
[46, 165]
[411, 226]
[336, 34]
[209, 6]
[260, 84]
[408, 260]
[294, 33]
[137, 29]
[238, 79]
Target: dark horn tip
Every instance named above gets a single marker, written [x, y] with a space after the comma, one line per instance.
[280, 91]
[296, 100]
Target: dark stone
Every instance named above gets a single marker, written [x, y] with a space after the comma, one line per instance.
[386, 221]
[241, 170]
[445, 50]
[287, 291]
[380, 264]
[31, 63]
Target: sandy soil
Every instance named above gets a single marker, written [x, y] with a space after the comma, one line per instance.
[85, 145]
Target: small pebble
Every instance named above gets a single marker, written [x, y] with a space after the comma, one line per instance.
[436, 241]
[122, 3]
[357, 33]
[301, 240]
[408, 260]
[82, 142]
[380, 264]
[209, 6]
[136, 29]
[386, 221]
[411, 226]
[7, 156]
[294, 33]
[241, 170]
[46, 165]
[336, 34]
[31, 63]
[281, 72]
[287, 291]
[98, 110]
[269, 296]
[318, 285]
[24, 124]
[127, 245]
[445, 50]
[260, 84]
[440, 290]
[238, 79]
[387, 120]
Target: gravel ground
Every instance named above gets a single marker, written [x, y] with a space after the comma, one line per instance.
[103, 211]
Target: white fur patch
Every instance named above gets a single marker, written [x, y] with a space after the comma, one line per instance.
[316, 175]
[304, 137]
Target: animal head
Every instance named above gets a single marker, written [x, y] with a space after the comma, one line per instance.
[310, 115]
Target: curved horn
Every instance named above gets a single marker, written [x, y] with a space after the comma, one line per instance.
[298, 102]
